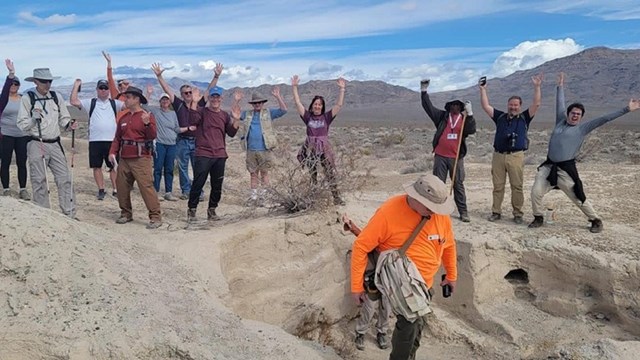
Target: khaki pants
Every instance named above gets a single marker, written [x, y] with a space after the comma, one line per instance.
[140, 170]
[57, 163]
[541, 186]
[369, 308]
[513, 166]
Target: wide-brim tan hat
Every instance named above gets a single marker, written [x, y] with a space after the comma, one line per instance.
[431, 192]
[136, 92]
[41, 74]
[257, 98]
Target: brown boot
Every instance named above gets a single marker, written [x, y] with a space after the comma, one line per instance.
[191, 215]
[211, 214]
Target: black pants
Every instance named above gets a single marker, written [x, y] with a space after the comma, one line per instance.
[9, 145]
[405, 340]
[442, 167]
[202, 168]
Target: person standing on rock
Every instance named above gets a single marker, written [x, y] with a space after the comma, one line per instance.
[426, 199]
[449, 145]
[509, 144]
[559, 170]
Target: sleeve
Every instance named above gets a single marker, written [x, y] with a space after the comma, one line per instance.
[306, 117]
[276, 113]
[469, 126]
[119, 105]
[436, 115]
[115, 144]
[560, 114]
[174, 123]
[496, 115]
[449, 254]
[86, 105]
[371, 236]
[151, 131]
[589, 126]
[328, 117]
[24, 120]
[63, 117]
[4, 96]
[202, 102]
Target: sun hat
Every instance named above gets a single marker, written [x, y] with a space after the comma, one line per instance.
[41, 74]
[137, 92]
[431, 192]
[448, 105]
[165, 95]
[257, 98]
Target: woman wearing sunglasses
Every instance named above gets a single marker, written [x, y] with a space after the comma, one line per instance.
[316, 148]
[13, 139]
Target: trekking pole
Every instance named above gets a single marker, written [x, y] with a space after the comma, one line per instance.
[73, 155]
[455, 163]
[44, 161]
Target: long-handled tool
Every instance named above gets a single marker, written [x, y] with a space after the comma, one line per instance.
[73, 155]
[44, 160]
[455, 163]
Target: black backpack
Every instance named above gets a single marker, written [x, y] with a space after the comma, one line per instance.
[93, 106]
[32, 97]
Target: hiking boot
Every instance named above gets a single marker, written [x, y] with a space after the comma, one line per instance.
[154, 225]
[6, 192]
[211, 214]
[169, 197]
[24, 194]
[201, 196]
[184, 196]
[359, 341]
[123, 220]
[114, 193]
[191, 215]
[382, 340]
[537, 222]
[518, 220]
[596, 226]
[101, 194]
[494, 217]
[465, 218]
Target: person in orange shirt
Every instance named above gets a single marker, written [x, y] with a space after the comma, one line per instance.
[390, 227]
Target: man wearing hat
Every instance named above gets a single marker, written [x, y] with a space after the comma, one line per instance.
[133, 144]
[212, 125]
[42, 119]
[102, 113]
[509, 144]
[390, 227]
[449, 143]
[259, 138]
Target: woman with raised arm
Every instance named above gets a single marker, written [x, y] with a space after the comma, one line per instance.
[316, 148]
[13, 139]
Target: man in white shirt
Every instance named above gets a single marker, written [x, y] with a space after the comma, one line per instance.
[102, 128]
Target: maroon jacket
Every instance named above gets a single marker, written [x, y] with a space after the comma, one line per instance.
[132, 130]
[210, 133]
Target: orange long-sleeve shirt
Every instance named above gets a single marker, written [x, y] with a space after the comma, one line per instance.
[391, 226]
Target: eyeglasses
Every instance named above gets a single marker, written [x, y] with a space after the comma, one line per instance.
[186, 92]
[16, 83]
[103, 87]
[44, 81]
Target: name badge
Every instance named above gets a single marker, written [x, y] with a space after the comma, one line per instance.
[434, 237]
[452, 136]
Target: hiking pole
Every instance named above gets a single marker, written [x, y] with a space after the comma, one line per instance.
[455, 162]
[44, 161]
[73, 155]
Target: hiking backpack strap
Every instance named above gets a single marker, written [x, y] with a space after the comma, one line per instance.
[113, 106]
[413, 236]
[32, 99]
[93, 106]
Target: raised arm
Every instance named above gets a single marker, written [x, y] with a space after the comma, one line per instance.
[6, 89]
[560, 114]
[73, 99]
[296, 97]
[216, 75]
[275, 91]
[537, 94]
[113, 87]
[589, 126]
[238, 95]
[484, 100]
[158, 70]
[436, 115]
[342, 83]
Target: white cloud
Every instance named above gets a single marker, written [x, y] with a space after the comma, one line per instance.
[530, 54]
[604, 9]
[55, 19]
[324, 70]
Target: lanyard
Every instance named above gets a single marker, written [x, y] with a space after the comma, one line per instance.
[453, 124]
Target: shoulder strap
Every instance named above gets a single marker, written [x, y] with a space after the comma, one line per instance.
[32, 98]
[414, 234]
[113, 106]
[92, 107]
[55, 98]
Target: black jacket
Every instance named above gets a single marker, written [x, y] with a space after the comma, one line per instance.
[439, 118]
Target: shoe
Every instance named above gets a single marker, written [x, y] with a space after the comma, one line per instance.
[6, 192]
[101, 194]
[123, 220]
[465, 218]
[169, 197]
[191, 215]
[114, 194]
[518, 220]
[211, 214]
[494, 217]
[382, 340]
[596, 226]
[537, 222]
[359, 341]
[24, 195]
[184, 196]
[202, 197]
[154, 224]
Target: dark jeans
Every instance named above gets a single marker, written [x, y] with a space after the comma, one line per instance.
[442, 167]
[163, 164]
[203, 168]
[405, 340]
[9, 145]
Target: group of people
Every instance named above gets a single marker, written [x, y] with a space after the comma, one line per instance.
[140, 143]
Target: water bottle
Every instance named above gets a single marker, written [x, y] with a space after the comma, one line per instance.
[550, 216]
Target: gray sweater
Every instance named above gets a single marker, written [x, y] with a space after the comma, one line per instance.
[167, 124]
[566, 139]
[9, 119]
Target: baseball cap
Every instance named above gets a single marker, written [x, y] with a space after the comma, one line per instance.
[102, 83]
[216, 90]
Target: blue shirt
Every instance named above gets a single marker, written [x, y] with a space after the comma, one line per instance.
[506, 126]
[255, 141]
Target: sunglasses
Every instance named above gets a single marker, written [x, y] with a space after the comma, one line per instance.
[103, 87]
[44, 81]
[186, 92]
[16, 83]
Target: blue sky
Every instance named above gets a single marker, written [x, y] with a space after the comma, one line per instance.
[452, 42]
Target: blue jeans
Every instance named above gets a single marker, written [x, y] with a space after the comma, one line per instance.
[163, 162]
[186, 149]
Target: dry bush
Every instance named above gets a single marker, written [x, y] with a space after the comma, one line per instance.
[590, 147]
[421, 165]
[394, 138]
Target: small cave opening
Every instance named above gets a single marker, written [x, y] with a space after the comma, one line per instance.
[517, 276]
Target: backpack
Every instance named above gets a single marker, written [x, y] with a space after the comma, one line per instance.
[93, 106]
[32, 98]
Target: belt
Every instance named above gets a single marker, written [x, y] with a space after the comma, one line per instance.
[48, 141]
[186, 137]
[509, 152]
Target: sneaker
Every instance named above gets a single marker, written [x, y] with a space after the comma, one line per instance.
[184, 196]
[211, 214]
[154, 224]
[191, 215]
[169, 197]
[24, 194]
[114, 194]
[382, 340]
[6, 192]
[101, 194]
[494, 217]
[465, 218]
[596, 226]
[123, 220]
[201, 196]
[537, 221]
[359, 341]
[518, 220]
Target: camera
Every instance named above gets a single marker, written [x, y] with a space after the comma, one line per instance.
[513, 137]
[482, 81]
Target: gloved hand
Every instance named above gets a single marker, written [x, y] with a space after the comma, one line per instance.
[468, 108]
[424, 84]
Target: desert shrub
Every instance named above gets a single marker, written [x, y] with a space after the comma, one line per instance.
[590, 147]
[394, 138]
[420, 165]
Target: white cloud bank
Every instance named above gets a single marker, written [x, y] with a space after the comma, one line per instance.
[55, 19]
[530, 54]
